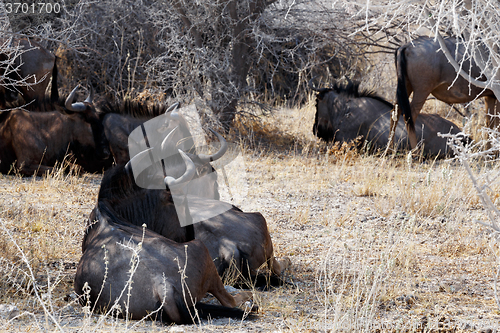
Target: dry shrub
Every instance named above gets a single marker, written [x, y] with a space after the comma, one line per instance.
[346, 152]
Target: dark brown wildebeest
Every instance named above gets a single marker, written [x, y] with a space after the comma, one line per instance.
[344, 113]
[34, 64]
[422, 68]
[36, 140]
[231, 236]
[167, 281]
[120, 120]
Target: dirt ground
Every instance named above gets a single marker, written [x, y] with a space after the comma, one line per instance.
[375, 244]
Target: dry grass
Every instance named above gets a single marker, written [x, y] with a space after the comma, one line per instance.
[374, 243]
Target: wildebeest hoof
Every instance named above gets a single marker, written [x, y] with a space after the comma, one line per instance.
[284, 263]
[242, 297]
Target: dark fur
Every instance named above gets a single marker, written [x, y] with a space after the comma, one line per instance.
[344, 113]
[25, 138]
[155, 208]
[132, 108]
[159, 260]
[423, 69]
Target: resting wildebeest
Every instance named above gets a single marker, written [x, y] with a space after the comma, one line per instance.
[119, 120]
[343, 113]
[232, 236]
[33, 64]
[168, 280]
[422, 68]
[36, 140]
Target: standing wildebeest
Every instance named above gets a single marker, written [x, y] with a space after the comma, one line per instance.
[422, 68]
[36, 140]
[34, 64]
[168, 280]
[343, 113]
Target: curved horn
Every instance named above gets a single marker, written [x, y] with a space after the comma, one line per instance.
[222, 150]
[173, 107]
[171, 182]
[138, 162]
[91, 95]
[175, 112]
[164, 143]
[76, 107]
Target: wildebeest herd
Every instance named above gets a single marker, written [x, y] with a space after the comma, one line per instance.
[140, 257]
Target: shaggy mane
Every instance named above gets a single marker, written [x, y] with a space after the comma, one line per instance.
[351, 89]
[134, 109]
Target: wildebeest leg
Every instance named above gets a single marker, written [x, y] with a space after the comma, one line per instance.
[217, 289]
[170, 309]
[416, 105]
[279, 266]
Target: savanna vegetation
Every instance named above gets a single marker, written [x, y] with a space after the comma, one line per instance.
[376, 243]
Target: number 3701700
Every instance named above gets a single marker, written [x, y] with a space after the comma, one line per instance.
[34, 8]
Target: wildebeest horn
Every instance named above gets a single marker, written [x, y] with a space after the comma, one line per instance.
[91, 96]
[175, 111]
[164, 143]
[78, 106]
[136, 162]
[222, 150]
[173, 107]
[186, 177]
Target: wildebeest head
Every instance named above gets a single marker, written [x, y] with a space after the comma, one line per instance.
[331, 109]
[322, 127]
[87, 110]
[343, 112]
[153, 204]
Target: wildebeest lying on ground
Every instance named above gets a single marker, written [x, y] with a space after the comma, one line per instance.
[32, 63]
[232, 236]
[343, 113]
[119, 120]
[168, 280]
[422, 68]
[36, 140]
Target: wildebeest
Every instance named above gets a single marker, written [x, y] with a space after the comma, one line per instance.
[232, 236]
[344, 113]
[36, 140]
[168, 280]
[119, 120]
[422, 68]
[34, 64]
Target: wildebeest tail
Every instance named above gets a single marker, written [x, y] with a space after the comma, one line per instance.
[401, 92]
[212, 311]
[54, 91]
[205, 311]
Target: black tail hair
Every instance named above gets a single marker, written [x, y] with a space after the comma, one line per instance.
[401, 92]
[212, 311]
[205, 311]
[54, 92]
